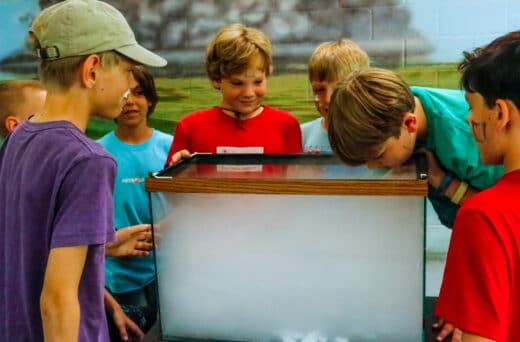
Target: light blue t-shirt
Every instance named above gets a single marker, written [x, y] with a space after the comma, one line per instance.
[131, 205]
[314, 137]
[450, 138]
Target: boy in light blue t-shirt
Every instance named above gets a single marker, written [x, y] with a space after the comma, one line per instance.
[328, 64]
[138, 149]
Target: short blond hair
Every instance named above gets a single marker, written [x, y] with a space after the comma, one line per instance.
[335, 60]
[234, 48]
[62, 72]
[365, 110]
[12, 99]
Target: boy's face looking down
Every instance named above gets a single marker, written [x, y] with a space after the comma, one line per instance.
[396, 151]
[372, 119]
[244, 91]
[322, 91]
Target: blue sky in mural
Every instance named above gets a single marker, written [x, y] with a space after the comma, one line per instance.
[15, 17]
[454, 26]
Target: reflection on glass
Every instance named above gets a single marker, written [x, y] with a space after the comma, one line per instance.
[305, 166]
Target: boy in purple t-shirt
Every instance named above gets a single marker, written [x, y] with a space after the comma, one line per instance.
[56, 184]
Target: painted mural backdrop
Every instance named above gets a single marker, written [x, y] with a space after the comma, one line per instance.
[394, 32]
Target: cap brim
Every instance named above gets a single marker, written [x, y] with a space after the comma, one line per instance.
[141, 55]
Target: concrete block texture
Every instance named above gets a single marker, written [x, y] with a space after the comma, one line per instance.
[183, 27]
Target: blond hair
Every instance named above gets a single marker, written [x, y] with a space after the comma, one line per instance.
[234, 48]
[365, 110]
[12, 99]
[333, 61]
[62, 72]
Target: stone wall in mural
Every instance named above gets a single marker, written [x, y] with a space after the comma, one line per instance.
[180, 29]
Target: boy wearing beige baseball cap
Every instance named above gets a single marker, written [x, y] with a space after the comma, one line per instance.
[56, 184]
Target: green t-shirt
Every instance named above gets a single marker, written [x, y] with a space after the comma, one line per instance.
[450, 139]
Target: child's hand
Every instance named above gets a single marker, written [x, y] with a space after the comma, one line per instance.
[128, 330]
[131, 242]
[435, 172]
[446, 330]
[313, 151]
[177, 156]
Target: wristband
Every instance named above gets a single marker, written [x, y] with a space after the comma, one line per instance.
[459, 193]
[445, 182]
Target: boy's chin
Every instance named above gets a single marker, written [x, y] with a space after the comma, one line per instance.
[401, 162]
[322, 113]
[108, 115]
[491, 160]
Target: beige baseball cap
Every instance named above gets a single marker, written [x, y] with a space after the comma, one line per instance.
[84, 27]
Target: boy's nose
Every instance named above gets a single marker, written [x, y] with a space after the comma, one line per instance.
[128, 99]
[126, 94]
[249, 91]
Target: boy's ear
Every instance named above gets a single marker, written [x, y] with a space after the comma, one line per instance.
[506, 108]
[216, 84]
[11, 122]
[89, 69]
[410, 122]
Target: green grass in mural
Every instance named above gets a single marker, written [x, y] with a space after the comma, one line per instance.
[437, 76]
[179, 96]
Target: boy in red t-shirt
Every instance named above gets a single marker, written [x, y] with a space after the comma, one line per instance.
[480, 292]
[238, 62]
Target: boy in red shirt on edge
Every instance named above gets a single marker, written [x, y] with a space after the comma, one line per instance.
[480, 292]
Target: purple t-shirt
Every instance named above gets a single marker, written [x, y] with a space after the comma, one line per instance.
[56, 190]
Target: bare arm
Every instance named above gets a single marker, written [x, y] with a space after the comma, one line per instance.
[450, 191]
[436, 174]
[467, 337]
[131, 241]
[447, 329]
[127, 328]
[59, 303]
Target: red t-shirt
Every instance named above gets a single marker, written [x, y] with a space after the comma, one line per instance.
[480, 292]
[271, 131]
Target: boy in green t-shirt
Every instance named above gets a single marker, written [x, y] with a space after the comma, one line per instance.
[377, 119]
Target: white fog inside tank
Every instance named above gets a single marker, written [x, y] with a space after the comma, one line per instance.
[291, 267]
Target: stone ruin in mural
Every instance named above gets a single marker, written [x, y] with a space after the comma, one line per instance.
[180, 29]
